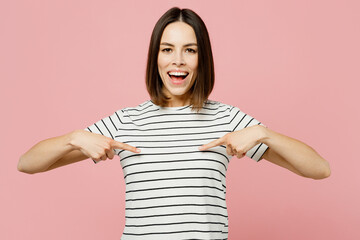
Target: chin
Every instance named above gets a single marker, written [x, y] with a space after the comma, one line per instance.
[176, 92]
[179, 91]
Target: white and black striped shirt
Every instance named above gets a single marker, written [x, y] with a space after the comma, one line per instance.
[173, 190]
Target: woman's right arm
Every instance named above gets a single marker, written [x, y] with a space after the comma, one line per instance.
[69, 148]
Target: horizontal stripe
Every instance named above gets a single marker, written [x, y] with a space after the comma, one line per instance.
[176, 169]
[174, 134]
[177, 121]
[152, 129]
[171, 153]
[174, 223]
[173, 196]
[181, 146]
[141, 234]
[176, 205]
[173, 114]
[152, 189]
[178, 178]
[176, 214]
[178, 140]
[172, 161]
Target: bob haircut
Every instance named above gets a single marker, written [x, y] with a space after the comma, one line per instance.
[204, 82]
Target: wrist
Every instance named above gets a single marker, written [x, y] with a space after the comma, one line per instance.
[71, 139]
[264, 134]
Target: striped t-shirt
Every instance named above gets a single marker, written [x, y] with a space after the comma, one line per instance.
[173, 190]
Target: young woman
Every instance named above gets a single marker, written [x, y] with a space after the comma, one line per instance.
[175, 176]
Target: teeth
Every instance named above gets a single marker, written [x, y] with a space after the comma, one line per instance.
[178, 73]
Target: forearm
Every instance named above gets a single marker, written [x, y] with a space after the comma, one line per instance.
[301, 156]
[45, 153]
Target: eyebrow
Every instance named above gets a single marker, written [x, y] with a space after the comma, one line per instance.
[172, 45]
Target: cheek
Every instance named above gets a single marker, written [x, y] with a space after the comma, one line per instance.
[193, 64]
[194, 68]
[160, 65]
[163, 61]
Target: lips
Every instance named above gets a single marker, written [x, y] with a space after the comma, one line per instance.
[177, 76]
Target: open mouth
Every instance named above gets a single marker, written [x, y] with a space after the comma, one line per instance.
[178, 76]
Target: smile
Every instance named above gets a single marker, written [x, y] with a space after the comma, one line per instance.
[177, 78]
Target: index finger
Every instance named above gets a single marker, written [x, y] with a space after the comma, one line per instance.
[216, 142]
[120, 145]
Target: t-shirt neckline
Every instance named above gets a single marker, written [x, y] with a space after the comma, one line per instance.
[169, 108]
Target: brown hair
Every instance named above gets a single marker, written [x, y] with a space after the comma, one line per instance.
[204, 82]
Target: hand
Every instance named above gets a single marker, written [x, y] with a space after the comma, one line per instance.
[238, 142]
[97, 146]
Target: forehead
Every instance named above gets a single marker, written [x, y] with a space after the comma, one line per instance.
[178, 33]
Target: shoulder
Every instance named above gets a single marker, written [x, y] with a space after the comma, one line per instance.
[221, 105]
[140, 107]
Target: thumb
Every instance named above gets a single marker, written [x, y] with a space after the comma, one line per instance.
[120, 145]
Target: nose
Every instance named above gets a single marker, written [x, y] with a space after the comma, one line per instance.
[178, 59]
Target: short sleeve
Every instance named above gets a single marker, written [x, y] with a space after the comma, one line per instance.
[107, 126]
[240, 120]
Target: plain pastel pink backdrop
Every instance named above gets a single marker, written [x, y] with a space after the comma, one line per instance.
[293, 65]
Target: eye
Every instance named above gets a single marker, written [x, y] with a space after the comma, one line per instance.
[191, 50]
[166, 50]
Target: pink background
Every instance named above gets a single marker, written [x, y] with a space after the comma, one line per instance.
[294, 65]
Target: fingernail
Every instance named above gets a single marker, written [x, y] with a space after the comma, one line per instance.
[138, 150]
[201, 147]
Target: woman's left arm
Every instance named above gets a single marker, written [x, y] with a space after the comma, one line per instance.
[284, 151]
[296, 153]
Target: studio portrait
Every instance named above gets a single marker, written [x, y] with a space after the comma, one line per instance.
[180, 120]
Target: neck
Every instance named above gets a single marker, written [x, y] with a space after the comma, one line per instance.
[173, 103]
[177, 101]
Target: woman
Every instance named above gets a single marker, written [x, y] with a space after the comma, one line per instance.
[175, 177]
